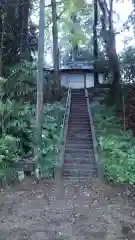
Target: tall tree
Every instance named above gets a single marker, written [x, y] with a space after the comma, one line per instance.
[24, 29]
[40, 77]
[17, 34]
[3, 15]
[74, 44]
[55, 49]
[108, 35]
[95, 43]
[72, 33]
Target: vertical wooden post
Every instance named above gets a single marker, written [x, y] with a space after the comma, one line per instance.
[40, 77]
[85, 81]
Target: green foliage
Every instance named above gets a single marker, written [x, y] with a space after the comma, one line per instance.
[16, 120]
[20, 83]
[53, 115]
[117, 147]
[9, 147]
[17, 133]
[127, 58]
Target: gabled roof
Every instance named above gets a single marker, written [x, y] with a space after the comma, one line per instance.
[76, 65]
[72, 66]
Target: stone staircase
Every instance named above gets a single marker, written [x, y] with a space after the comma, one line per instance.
[79, 164]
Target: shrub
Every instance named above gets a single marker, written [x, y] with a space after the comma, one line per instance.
[117, 147]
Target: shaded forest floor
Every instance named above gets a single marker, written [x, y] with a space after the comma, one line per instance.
[48, 211]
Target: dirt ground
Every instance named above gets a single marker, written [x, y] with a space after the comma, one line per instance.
[48, 211]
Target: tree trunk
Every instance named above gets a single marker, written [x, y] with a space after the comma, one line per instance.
[2, 43]
[40, 78]
[108, 36]
[55, 50]
[74, 46]
[24, 31]
[114, 66]
[95, 44]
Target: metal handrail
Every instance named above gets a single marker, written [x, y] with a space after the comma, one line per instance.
[66, 108]
[63, 132]
[95, 144]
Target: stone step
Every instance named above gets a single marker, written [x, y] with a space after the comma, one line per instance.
[75, 119]
[83, 107]
[79, 145]
[80, 167]
[72, 131]
[78, 160]
[82, 117]
[78, 103]
[76, 100]
[77, 125]
[79, 151]
[77, 130]
[78, 136]
[80, 140]
[81, 155]
[75, 109]
[79, 173]
[76, 122]
[87, 141]
[79, 121]
[76, 115]
[76, 180]
[83, 137]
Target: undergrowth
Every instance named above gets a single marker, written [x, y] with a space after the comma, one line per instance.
[117, 146]
[17, 121]
[18, 134]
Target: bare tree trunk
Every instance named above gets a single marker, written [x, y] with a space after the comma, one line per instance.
[74, 46]
[24, 30]
[108, 36]
[115, 69]
[55, 49]
[95, 43]
[2, 43]
[40, 76]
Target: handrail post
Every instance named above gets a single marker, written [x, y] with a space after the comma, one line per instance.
[100, 170]
[84, 80]
[63, 136]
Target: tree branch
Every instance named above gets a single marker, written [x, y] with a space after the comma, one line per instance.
[49, 5]
[110, 15]
[58, 18]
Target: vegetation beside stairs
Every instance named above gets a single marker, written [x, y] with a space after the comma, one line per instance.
[116, 145]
